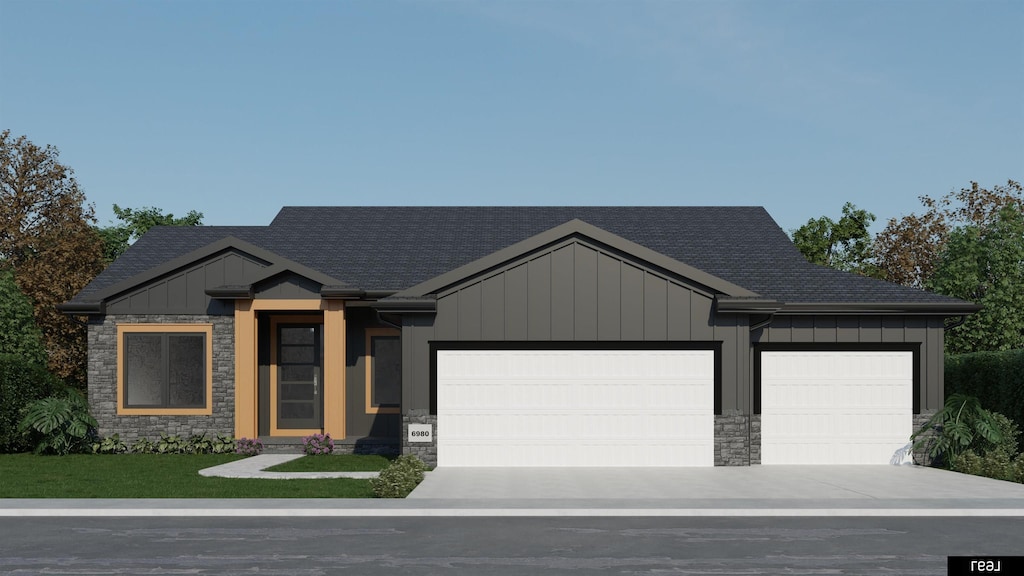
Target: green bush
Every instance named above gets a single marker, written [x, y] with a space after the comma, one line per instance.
[399, 478]
[109, 445]
[21, 383]
[995, 378]
[60, 424]
[994, 464]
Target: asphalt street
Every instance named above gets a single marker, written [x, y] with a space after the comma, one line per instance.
[500, 546]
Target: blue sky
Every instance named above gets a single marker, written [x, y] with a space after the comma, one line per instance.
[236, 108]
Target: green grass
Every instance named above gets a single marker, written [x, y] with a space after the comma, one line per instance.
[334, 463]
[152, 476]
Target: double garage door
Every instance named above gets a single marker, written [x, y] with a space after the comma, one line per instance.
[656, 407]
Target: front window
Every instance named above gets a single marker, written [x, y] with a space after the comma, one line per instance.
[164, 369]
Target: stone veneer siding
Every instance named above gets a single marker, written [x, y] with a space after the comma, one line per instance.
[733, 439]
[426, 451]
[921, 452]
[103, 381]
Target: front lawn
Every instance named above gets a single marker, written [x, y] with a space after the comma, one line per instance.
[152, 476]
[335, 463]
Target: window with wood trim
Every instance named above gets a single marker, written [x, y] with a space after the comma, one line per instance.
[164, 368]
[383, 371]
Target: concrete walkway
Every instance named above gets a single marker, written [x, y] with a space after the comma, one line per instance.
[255, 467]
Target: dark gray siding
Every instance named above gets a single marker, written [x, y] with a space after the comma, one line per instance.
[359, 424]
[184, 291]
[927, 332]
[288, 287]
[580, 293]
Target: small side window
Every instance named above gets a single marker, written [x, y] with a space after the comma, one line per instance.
[383, 371]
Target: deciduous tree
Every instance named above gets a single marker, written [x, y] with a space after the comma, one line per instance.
[844, 244]
[135, 223]
[907, 250]
[985, 265]
[47, 239]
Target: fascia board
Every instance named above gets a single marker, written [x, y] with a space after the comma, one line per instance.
[570, 228]
[886, 308]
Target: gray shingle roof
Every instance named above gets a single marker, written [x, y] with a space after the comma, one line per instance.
[392, 248]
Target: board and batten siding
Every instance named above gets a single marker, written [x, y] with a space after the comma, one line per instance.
[184, 291]
[576, 292]
[865, 330]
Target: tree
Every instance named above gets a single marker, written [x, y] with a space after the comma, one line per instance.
[19, 335]
[135, 223]
[985, 265]
[46, 238]
[844, 245]
[907, 250]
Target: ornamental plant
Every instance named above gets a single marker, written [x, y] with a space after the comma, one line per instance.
[317, 444]
[249, 446]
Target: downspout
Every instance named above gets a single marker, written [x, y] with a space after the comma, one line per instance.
[750, 419]
[961, 319]
[383, 321]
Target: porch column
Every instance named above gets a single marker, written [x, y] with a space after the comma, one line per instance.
[334, 368]
[245, 370]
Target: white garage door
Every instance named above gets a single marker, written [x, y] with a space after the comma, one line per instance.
[835, 407]
[575, 407]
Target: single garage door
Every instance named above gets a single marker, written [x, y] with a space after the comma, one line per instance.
[575, 407]
[835, 407]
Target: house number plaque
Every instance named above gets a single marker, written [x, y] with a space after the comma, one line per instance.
[421, 433]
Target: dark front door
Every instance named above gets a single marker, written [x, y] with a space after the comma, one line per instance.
[300, 377]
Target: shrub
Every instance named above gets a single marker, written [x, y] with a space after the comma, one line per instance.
[169, 444]
[197, 444]
[61, 424]
[249, 446]
[317, 444]
[399, 478]
[962, 425]
[21, 383]
[110, 445]
[994, 464]
[143, 446]
[995, 378]
[222, 444]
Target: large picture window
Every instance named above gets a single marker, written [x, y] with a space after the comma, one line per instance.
[383, 371]
[164, 369]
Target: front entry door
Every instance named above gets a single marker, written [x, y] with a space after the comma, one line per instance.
[299, 397]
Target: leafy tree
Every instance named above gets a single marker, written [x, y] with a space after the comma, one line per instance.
[985, 265]
[907, 250]
[135, 223]
[844, 244]
[19, 335]
[46, 238]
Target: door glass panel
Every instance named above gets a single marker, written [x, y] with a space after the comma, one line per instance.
[298, 373]
[297, 355]
[298, 335]
[299, 367]
[297, 410]
[297, 392]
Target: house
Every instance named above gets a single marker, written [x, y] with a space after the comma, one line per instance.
[514, 336]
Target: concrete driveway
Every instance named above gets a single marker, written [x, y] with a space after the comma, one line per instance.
[767, 485]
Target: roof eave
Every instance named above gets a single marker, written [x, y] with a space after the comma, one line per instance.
[884, 308]
[81, 308]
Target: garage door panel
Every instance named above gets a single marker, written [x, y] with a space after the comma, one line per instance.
[575, 408]
[847, 407]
